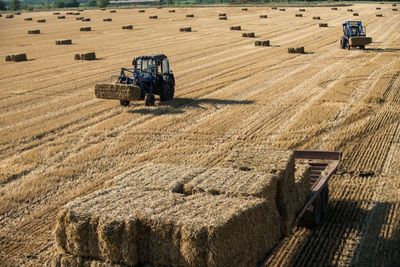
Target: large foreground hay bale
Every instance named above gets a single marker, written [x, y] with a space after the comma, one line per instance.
[117, 91]
[235, 28]
[296, 50]
[262, 43]
[85, 29]
[34, 31]
[64, 42]
[249, 34]
[128, 225]
[16, 58]
[127, 27]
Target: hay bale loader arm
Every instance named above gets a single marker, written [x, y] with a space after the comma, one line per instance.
[322, 165]
[354, 35]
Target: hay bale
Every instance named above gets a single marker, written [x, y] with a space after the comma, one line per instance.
[79, 18]
[9, 16]
[34, 31]
[70, 13]
[296, 50]
[379, 15]
[378, 8]
[282, 9]
[86, 19]
[394, 4]
[323, 25]
[334, 8]
[56, 13]
[107, 19]
[316, 18]
[127, 27]
[126, 225]
[350, 10]
[223, 18]
[117, 91]
[394, 9]
[299, 15]
[190, 15]
[64, 42]
[245, 9]
[274, 7]
[27, 19]
[222, 14]
[302, 10]
[41, 21]
[153, 17]
[249, 34]
[113, 11]
[355, 14]
[171, 11]
[185, 29]
[85, 29]
[85, 56]
[17, 58]
[61, 17]
[235, 28]
[81, 10]
[76, 13]
[17, 13]
[263, 16]
[141, 10]
[102, 9]
[262, 43]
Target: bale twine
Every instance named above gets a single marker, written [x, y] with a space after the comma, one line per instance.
[355, 14]
[262, 43]
[171, 11]
[282, 9]
[334, 8]
[263, 16]
[190, 15]
[64, 42]
[10, 16]
[107, 19]
[249, 34]
[41, 21]
[296, 50]
[185, 29]
[56, 13]
[85, 56]
[299, 15]
[85, 29]
[236, 28]
[17, 58]
[302, 10]
[222, 14]
[141, 10]
[127, 27]
[379, 15]
[153, 17]
[113, 11]
[86, 19]
[350, 10]
[316, 18]
[323, 25]
[61, 17]
[27, 19]
[34, 32]
[245, 9]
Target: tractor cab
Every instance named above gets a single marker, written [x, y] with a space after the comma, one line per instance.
[354, 35]
[353, 28]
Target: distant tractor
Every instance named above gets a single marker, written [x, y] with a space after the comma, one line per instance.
[354, 35]
[149, 76]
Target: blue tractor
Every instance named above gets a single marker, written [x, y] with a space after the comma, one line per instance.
[148, 76]
[354, 35]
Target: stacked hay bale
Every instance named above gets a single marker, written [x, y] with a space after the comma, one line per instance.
[153, 17]
[263, 16]
[64, 42]
[85, 29]
[296, 50]
[85, 56]
[185, 29]
[262, 43]
[127, 27]
[323, 25]
[235, 28]
[34, 31]
[180, 216]
[190, 15]
[249, 34]
[17, 58]
[107, 19]
[27, 19]
[41, 21]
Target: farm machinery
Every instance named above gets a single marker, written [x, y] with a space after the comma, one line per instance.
[354, 35]
[148, 76]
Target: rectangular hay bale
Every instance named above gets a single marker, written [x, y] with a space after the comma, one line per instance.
[117, 91]
[64, 42]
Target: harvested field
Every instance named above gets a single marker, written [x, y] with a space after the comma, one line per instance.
[58, 142]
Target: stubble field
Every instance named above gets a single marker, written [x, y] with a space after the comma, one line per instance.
[58, 142]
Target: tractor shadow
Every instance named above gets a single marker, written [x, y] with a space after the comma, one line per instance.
[180, 105]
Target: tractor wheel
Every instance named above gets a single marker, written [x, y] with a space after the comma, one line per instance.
[124, 103]
[343, 43]
[167, 92]
[362, 47]
[312, 218]
[149, 100]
